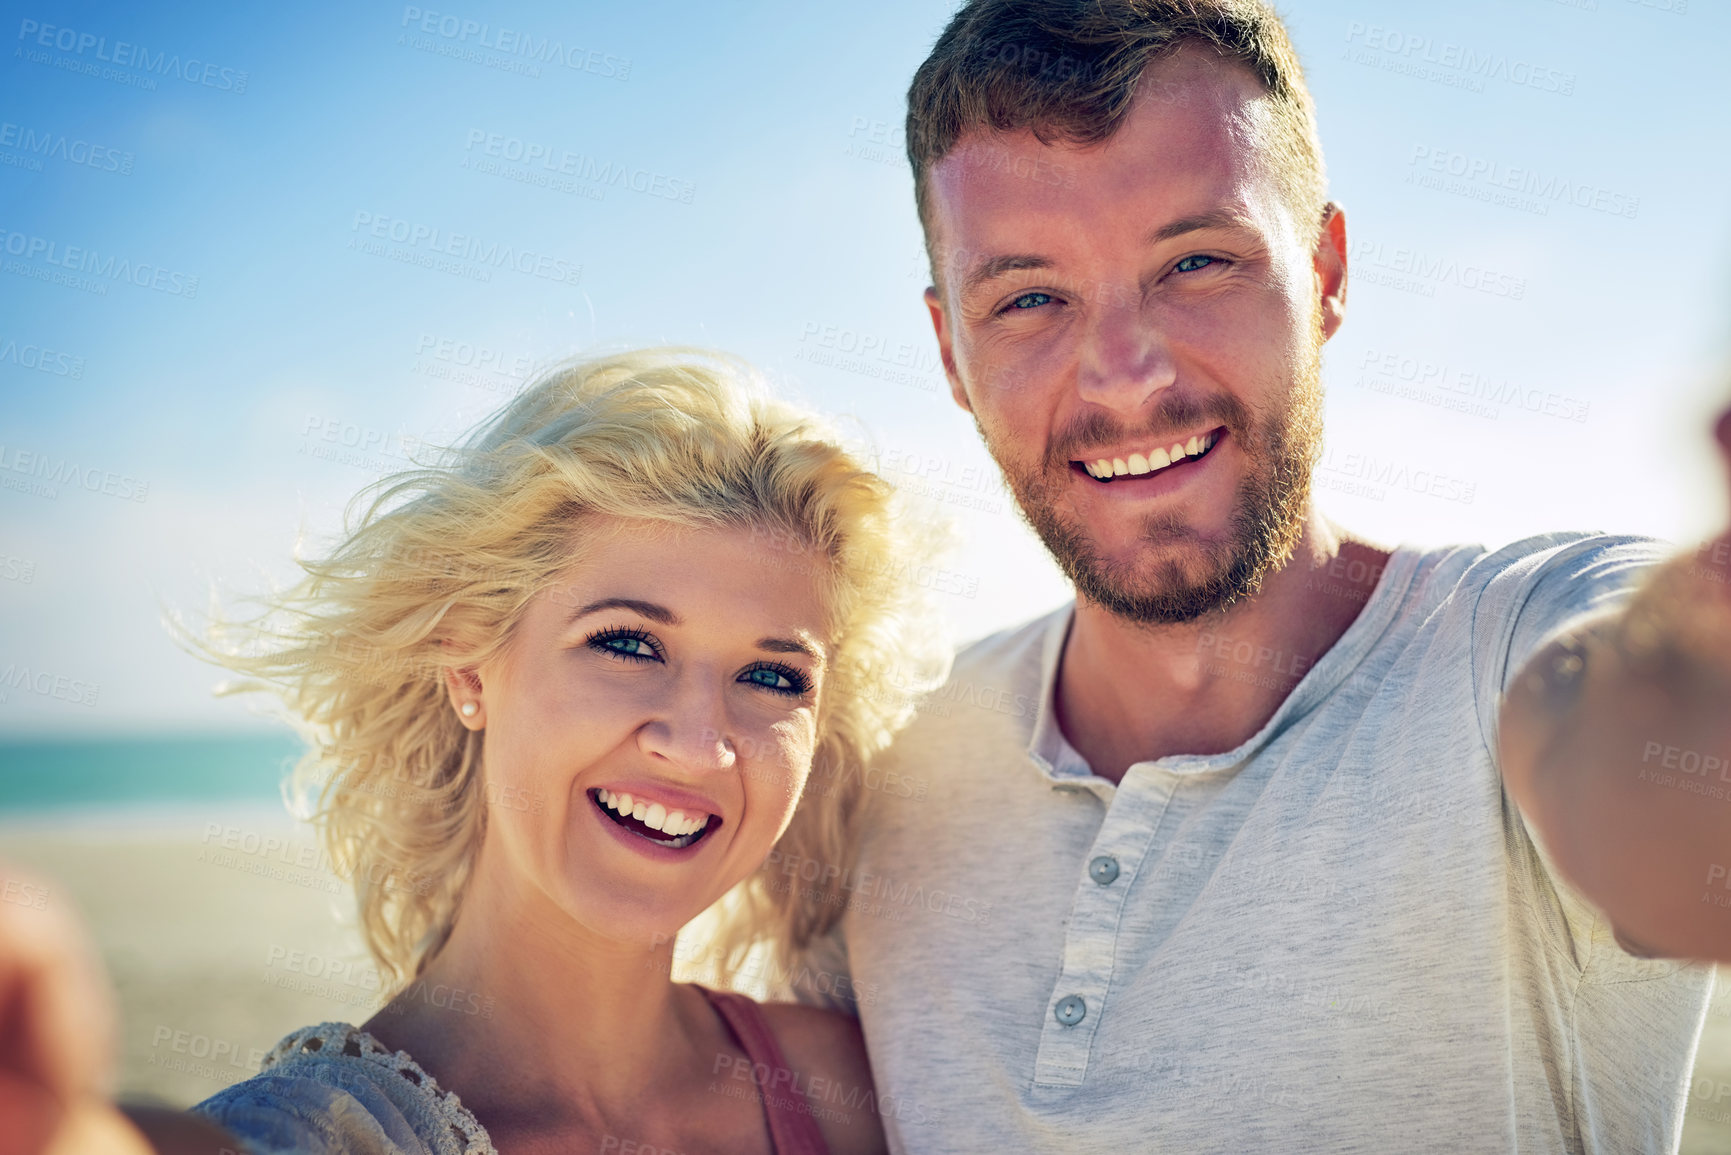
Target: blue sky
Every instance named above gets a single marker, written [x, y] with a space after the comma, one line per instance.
[1536, 193]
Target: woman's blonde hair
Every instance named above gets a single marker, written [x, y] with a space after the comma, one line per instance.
[442, 561]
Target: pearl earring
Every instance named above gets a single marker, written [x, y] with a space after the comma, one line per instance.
[469, 709]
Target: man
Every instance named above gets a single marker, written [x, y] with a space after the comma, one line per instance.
[1276, 839]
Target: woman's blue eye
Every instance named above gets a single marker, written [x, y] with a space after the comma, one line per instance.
[781, 679]
[1031, 300]
[1191, 264]
[625, 643]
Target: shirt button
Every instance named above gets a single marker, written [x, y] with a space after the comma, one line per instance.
[1104, 870]
[1070, 1010]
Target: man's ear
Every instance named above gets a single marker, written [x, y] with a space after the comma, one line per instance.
[1329, 262]
[946, 348]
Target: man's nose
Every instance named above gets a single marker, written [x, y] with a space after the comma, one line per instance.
[1126, 357]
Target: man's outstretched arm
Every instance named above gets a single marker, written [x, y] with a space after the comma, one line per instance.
[1616, 744]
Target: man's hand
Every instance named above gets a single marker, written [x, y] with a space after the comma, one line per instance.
[1616, 745]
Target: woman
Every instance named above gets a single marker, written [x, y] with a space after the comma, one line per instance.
[565, 692]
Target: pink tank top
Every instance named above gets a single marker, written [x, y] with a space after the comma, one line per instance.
[792, 1131]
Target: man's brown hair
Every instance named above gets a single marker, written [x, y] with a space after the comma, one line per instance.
[1068, 69]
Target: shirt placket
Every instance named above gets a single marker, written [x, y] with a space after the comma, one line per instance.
[1078, 1001]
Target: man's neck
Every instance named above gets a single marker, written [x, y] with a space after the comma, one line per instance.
[1129, 693]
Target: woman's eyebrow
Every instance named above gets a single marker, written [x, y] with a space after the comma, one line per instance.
[791, 646]
[650, 610]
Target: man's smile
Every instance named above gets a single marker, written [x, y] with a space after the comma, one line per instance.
[1152, 461]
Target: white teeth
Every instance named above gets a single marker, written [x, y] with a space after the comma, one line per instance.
[1159, 459]
[679, 828]
[1192, 447]
[1138, 464]
[1177, 451]
[1102, 468]
[1119, 469]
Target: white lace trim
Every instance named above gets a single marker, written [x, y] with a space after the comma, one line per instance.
[348, 1041]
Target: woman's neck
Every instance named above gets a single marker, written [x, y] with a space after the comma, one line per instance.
[529, 1016]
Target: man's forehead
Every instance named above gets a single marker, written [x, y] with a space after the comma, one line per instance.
[1197, 118]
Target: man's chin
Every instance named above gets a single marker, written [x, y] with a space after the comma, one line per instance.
[1168, 591]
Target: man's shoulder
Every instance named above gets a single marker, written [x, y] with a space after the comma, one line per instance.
[1463, 572]
[1559, 545]
[1568, 565]
[993, 688]
[1010, 648]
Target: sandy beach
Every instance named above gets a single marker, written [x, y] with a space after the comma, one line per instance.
[222, 934]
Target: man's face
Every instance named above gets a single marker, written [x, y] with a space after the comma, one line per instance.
[1102, 307]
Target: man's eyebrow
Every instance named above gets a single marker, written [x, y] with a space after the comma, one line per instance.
[649, 610]
[790, 646]
[1214, 219]
[995, 267]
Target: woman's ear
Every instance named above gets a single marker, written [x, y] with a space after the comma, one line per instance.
[463, 687]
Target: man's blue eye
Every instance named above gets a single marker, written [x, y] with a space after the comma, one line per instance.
[1031, 300]
[1191, 264]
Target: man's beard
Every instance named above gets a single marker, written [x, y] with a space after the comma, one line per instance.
[1280, 448]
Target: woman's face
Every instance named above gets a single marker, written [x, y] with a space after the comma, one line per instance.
[650, 725]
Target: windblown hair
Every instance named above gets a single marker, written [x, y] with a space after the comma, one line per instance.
[437, 565]
[1068, 70]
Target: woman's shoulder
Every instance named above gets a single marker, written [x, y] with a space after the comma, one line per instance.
[826, 1049]
[333, 1088]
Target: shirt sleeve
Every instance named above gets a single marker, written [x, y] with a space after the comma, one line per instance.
[1540, 590]
[297, 1115]
[821, 975]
